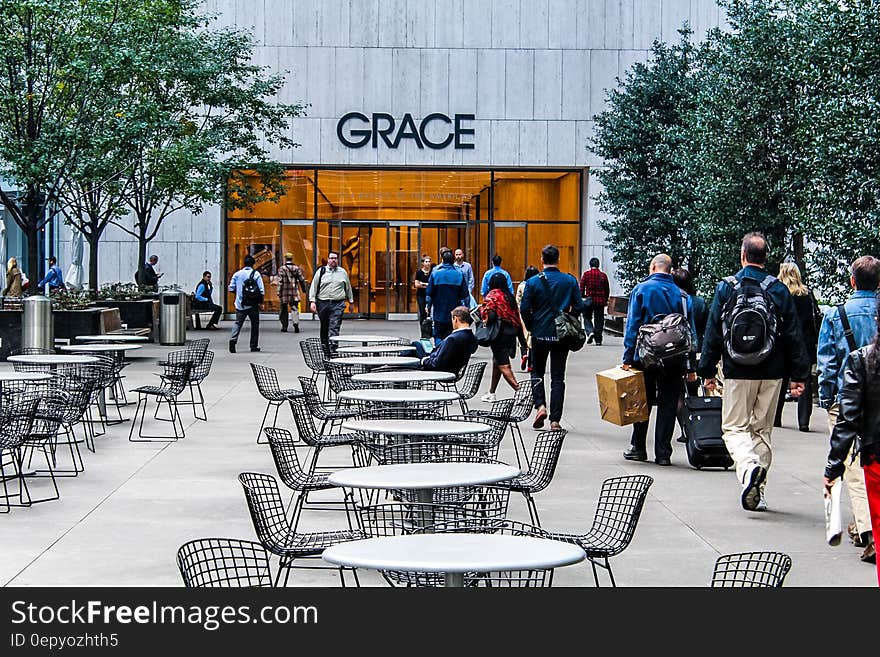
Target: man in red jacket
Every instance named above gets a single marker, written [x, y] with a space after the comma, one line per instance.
[594, 290]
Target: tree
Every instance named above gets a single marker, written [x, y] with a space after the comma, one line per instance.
[51, 51]
[643, 138]
[197, 115]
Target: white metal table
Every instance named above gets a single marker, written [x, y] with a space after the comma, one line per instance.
[398, 396]
[100, 348]
[404, 376]
[376, 349]
[362, 338]
[111, 337]
[51, 360]
[455, 554]
[377, 361]
[423, 478]
[394, 427]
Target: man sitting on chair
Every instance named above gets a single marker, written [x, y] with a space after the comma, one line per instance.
[454, 351]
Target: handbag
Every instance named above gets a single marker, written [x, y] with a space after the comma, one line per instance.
[569, 330]
[486, 334]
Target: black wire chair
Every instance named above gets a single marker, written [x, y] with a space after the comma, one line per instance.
[269, 388]
[31, 367]
[469, 384]
[751, 570]
[283, 447]
[174, 381]
[542, 467]
[489, 442]
[199, 373]
[316, 354]
[42, 437]
[521, 408]
[278, 536]
[333, 413]
[339, 377]
[620, 504]
[317, 440]
[223, 563]
[15, 426]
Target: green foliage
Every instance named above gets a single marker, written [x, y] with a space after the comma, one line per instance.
[772, 125]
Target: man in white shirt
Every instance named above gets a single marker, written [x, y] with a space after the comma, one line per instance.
[246, 303]
[329, 291]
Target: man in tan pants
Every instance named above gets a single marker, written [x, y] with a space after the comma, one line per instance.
[845, 328]
[754, 330]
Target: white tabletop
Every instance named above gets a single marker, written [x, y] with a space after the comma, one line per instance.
[421, 476]
[52, 359]
[398, 396]
[24, 376]
[404, 376]
[365, 339]
[376, 361]
[100, 347]
[110, 337]
[375, 349]
[416, 427]
[454, 553]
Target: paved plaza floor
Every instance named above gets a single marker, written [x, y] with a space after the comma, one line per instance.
[121, 521]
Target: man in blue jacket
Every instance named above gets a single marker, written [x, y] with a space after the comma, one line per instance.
[834, 347]
[496, 269]
[53, 277]
[447, 289]
[544, 297]
[751, 392]
[655, 296]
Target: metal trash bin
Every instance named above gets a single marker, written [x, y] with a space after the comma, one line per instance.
[172, 317]
[37, 325]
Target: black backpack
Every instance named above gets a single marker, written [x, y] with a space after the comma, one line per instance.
[251, 294]
[749, 321]
[667, 338]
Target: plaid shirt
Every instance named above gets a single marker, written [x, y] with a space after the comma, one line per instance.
[594, 285]
[288, 277]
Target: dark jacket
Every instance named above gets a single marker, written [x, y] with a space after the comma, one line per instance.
[446, 290]
[805, 307]
[656, 295]
[701, 316]
[859, 415]
[788, 360]
[452, 353]
[539, 309]
[151, 279]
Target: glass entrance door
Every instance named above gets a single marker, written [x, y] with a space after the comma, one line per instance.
[433, 236]
[403, 258]
[364, 255]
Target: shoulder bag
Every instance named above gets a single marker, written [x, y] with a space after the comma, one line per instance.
[569, 330]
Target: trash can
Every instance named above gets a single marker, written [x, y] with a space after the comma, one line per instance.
[172, 317]
[37, 328]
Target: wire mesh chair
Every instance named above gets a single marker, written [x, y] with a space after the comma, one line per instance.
[316, 354]
[283, 447]
[542, 466]
[620, 505]
[339, 377]
[332, 413]
[269, 388]
[751, 570]
[223, 563]
[42, 437]
[490, 442]
[15, 426]
[171, 387]
[318, 441]
[521, 408]
[82, 384]
[277, 535]
[200, 372]
[469, 384]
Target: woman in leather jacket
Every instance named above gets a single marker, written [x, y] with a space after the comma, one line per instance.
[859, 422]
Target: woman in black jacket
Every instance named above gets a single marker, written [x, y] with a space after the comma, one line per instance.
[807, 311]
[859, 422]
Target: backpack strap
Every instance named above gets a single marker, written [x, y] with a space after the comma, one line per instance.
[767, 282]
[318, 284]
[847, 329]
[684, 304]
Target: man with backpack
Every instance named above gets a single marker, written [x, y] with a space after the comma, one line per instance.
[846, 328]
[754, 330]
[247, 283]
[329, 291]
[658, 307]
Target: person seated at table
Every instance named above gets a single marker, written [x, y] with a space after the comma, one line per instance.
[203, 300]
[454, 351]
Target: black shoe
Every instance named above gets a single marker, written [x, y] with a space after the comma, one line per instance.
[255, 349]
[232, 346]
[598, 343]
[662, 461]
[284, 330]
[590, 337]
[296, 328]
[681, 439]
[805, 429]
[632, 454]
[870, 553]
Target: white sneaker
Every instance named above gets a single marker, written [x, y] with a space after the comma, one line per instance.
[762, 504]
[751, 493]
[489, 397]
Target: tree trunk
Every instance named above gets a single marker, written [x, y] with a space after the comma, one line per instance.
[142, 256]
[37, 271]
[93, 262]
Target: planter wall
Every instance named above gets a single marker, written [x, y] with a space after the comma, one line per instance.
[143, 313]
[10, 332]
[88, 321]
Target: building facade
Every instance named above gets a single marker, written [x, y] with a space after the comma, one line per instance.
[463, 123]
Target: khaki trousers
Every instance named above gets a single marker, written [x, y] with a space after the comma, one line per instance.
[854, 480]
[747, 420]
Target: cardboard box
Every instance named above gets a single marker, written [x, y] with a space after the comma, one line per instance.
[622, 397]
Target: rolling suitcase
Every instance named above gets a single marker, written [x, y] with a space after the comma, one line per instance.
[702, 428]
